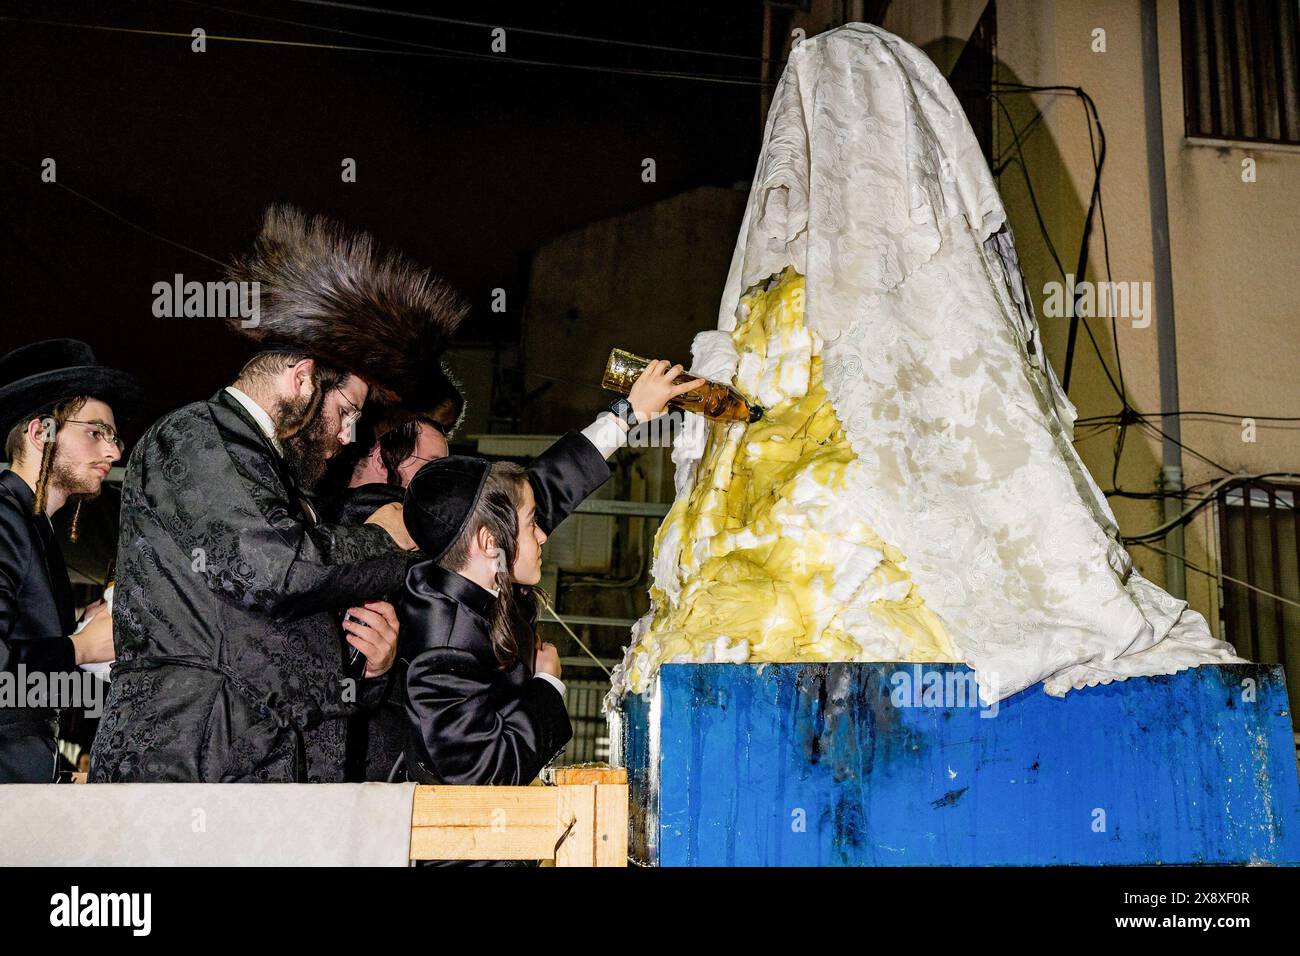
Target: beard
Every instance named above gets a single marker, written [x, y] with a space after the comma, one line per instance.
[304, 451]
[75, 484]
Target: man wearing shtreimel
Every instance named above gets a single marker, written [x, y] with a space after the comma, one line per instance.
[231, 659]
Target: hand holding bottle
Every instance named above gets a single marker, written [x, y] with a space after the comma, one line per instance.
[656, 386]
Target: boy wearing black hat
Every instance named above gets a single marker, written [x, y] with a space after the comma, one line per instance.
[485, 703]
[56, 411]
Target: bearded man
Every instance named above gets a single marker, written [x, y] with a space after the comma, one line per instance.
[230, 657]
[56, 411]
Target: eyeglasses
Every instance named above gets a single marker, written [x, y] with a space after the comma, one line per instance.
[99, 431]
[352, 417]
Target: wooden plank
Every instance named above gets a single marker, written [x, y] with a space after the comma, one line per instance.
[576, 825]
[589, 774]
[483, 823]
[495, 807]
[611, 824]
[482, 843]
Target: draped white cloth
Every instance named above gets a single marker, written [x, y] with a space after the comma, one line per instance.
[872, 185]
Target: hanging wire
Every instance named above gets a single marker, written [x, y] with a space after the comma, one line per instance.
[1051, 248]
[1128, 415]
[577, 640]
[555, 34]
[1162, 530]
[428, 52]
[1160, 433]
[1226, 577]
[1226, 415]
[120, 218]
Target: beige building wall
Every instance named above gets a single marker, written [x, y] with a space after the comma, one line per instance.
[1235, 245]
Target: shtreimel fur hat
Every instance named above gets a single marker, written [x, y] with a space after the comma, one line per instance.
[330, 293]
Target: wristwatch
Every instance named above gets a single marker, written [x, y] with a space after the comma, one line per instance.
[622, 408]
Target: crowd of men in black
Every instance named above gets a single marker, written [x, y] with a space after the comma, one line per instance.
[261, 630]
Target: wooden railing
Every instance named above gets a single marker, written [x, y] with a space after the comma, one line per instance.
[580, 821]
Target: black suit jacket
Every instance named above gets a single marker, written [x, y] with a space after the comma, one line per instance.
[36, 609]
[376, 737]
[354, 505]
[230, 661]
[470, 720]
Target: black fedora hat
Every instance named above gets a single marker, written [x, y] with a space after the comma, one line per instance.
[42, 373]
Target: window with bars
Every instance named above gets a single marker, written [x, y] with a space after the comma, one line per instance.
[1241, 69]
[590, 743]
[1259, 544]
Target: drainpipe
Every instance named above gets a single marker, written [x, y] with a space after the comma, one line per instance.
[1171, 455]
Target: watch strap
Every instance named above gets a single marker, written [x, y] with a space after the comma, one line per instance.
[622, 408]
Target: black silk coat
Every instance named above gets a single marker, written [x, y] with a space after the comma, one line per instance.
[230, 655]
[375, 736]
[470, 721]
[36, 609]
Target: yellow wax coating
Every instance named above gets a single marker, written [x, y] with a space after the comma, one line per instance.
[757, 567]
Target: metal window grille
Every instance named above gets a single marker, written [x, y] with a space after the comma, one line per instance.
[590, 741]
[1241, 69]
[1259, 543]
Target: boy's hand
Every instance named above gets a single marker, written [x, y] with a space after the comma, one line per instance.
[547, 661]
[654, 387]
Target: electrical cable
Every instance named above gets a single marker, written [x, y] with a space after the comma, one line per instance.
[1128, 415]
[1162, 434]
[1161, 531]
[1226, 577]
[428, 52]
[1261, 418]
[555, 34]
[560, 621]
[104, 209]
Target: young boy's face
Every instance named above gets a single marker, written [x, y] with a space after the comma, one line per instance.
[528, 550]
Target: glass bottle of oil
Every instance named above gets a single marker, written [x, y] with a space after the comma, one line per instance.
[712, 399]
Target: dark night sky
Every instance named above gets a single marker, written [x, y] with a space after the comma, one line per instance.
[465, 166]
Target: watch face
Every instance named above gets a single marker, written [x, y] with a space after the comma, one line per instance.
[623, 409]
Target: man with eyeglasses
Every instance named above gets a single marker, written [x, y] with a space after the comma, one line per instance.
[231, 662]
[56, 411]
[391, 447]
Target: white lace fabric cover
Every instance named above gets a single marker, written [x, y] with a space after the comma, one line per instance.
[872, 185]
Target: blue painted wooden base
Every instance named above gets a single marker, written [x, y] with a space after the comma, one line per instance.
[897, 764]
